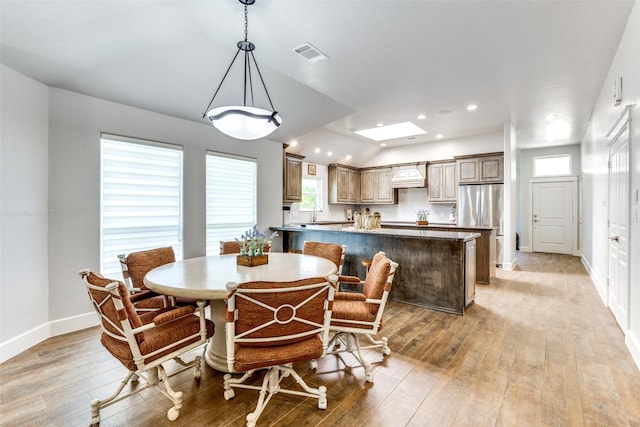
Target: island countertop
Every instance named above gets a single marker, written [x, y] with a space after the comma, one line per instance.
[391, 232]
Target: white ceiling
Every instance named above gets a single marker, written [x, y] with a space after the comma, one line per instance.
[388, 62]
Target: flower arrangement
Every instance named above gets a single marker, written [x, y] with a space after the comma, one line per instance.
[423, 214]
[253, 242]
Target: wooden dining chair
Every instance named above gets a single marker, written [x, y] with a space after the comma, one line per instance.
[143, 343]
[356, 313]
[271, 325]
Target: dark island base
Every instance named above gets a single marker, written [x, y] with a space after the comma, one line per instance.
[433, 273]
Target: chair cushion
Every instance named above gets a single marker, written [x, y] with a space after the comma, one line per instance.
[250, 357]
[330, 251]
[109, 309]
[349, 296]
[140, 263]
[147, 300]
[351, 310]
[157, 338]
[376, 280]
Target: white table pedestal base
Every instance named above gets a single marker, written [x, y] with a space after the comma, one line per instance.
[216, 354]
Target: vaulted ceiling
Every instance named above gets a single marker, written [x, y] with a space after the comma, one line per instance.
[388, 61]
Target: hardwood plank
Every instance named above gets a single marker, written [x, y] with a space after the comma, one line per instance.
[538, 347]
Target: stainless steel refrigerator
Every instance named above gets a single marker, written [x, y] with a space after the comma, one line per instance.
[481, 205]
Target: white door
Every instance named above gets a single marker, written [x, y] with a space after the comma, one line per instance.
[619, 228]
[552, 217]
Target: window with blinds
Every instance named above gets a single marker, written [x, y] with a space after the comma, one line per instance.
[141, 198]
[231, 197]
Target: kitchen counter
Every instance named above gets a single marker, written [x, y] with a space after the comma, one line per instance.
[397, 232]
[437, 269]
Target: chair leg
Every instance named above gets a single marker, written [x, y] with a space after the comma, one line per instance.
[351, 345]
[270, 386]
[96, 405]
[383, 343]
[175, 396]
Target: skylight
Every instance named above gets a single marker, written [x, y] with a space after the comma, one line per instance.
[399, 130]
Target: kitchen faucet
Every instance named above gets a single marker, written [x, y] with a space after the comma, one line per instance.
[314, 213]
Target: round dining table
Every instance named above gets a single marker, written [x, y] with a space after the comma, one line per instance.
[206, 278]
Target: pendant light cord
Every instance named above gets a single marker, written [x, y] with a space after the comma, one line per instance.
[247, 69]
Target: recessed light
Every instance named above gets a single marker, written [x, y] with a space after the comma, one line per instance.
[422, 117]
[329, 153]
[551, 117]
[380, 125]
[398, 130]
[383, 144]
[294, 143]
[439, 136]
[472, 107]
[348, 157]
[317, 150]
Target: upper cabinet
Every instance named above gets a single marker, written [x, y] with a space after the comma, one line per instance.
[443, 187]
[480, 169]
[376, 187]
[344, 184]
[292, 178]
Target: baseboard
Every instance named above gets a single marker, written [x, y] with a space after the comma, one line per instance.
[524, 249]
[22, 342]
[510, 266]
[633, 344]
[597, 281]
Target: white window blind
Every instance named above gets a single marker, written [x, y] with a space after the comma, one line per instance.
[141, 198]
[231, 198]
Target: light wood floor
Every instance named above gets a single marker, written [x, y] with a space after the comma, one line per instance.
[537, 348]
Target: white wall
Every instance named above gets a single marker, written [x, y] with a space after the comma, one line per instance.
[626, 64]
[24, 283]
[525, 171]
[50, 198]
[74, 205]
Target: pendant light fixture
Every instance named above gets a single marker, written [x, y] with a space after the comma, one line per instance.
[244, 121]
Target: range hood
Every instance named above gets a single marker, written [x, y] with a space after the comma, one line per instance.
[412, 176]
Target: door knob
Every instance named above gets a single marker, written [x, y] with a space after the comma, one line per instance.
[614, 238]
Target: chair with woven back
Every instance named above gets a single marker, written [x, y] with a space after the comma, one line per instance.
[135, 266]
[143, 342]
[331, 251]
[360, 313]
[271, 325]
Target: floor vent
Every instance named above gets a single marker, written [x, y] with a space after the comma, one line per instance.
[310, 53]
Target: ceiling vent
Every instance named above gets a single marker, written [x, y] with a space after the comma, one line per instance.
[310, 53]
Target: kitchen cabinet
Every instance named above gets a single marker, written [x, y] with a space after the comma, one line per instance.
[344, 184]
[480, 169]
[442, 183]
[375, 186]
[292, 178]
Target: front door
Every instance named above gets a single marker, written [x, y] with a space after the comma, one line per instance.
[552, 217]
[619, 227]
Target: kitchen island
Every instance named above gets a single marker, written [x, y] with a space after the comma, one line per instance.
[437, 269]
[485, 245]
